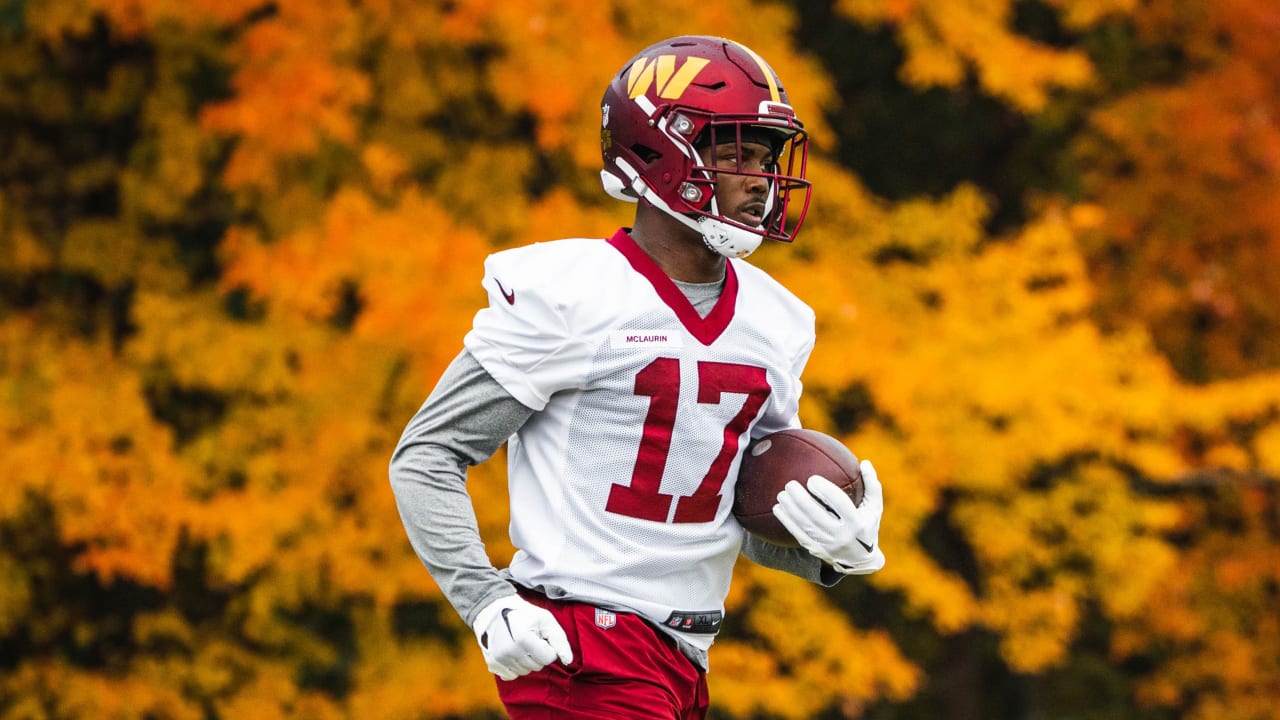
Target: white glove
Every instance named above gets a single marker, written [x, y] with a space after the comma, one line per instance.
[828, 524]
[518, 637]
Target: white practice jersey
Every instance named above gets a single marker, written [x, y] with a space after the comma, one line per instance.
[621, 483]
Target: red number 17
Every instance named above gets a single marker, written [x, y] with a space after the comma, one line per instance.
[660, 381]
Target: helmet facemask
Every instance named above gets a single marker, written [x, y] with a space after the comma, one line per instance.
[690, 133]
[783, 175]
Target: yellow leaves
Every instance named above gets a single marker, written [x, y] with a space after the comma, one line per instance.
[205, 672]
[53, 19]
[486, 185]
[1188, 172]
[804, 655]
[400, 678]
[92, 448]
[134, 17]
[999, 375]
[199, 347]
[15, 592]
[274, 694]
[1081, 14]
[1045, 552]
[103, 248]
[412, 268]
[542, 69]
[747, 679]
[544, 74]
[20, 250]
[385, 166]
[377, 150]
[293, 88]
[946, 229]
[1037, 625]
[295, 271]
[176, 148]
[1267, 447]
[1017, 303]
[557, 211]
[60, 689]
[945, 39]
[929, 592]
[296, 489]
[460, 685]
[840, 206]
[1213, 616]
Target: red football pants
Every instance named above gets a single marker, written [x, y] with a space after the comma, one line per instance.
[624, 670]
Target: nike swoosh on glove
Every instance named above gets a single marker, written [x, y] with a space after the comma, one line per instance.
[824, 520]
[518, 637]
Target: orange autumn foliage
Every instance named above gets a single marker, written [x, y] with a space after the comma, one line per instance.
[239, 241]
[1189, 173]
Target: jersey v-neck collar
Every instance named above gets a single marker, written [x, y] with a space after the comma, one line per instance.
[704, 329]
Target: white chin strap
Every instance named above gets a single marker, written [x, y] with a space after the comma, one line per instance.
[728, 240]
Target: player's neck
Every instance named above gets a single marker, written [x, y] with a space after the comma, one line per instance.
[678, 250]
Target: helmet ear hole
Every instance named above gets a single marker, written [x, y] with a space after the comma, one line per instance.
[645, 153]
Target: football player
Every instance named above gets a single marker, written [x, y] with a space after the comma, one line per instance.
[627, 374]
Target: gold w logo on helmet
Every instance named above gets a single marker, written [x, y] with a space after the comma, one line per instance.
[671, 82]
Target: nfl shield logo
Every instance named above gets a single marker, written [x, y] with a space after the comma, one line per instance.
[605, 619]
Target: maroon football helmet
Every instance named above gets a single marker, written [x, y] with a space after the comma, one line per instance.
[687, 93]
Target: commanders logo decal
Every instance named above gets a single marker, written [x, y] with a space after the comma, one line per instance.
[671, 81]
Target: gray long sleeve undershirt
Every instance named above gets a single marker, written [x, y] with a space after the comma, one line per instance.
[463, 422]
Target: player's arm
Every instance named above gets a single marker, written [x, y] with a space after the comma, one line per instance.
[463, 422]
[796, 561]
[835, 543]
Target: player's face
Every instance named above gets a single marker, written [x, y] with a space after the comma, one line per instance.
[740, 194]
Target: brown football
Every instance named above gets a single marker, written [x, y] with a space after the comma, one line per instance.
[774, 460]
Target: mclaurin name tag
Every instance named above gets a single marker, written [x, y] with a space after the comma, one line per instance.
[646, 338]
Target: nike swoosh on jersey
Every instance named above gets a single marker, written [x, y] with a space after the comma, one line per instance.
[509, 295]
[865, 546]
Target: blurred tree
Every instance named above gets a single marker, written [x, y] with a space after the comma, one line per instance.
[1138, 51]
[239, 240]
[1186, 159]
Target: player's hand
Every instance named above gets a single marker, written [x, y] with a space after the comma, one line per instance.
[518, 637]
[824, 520]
